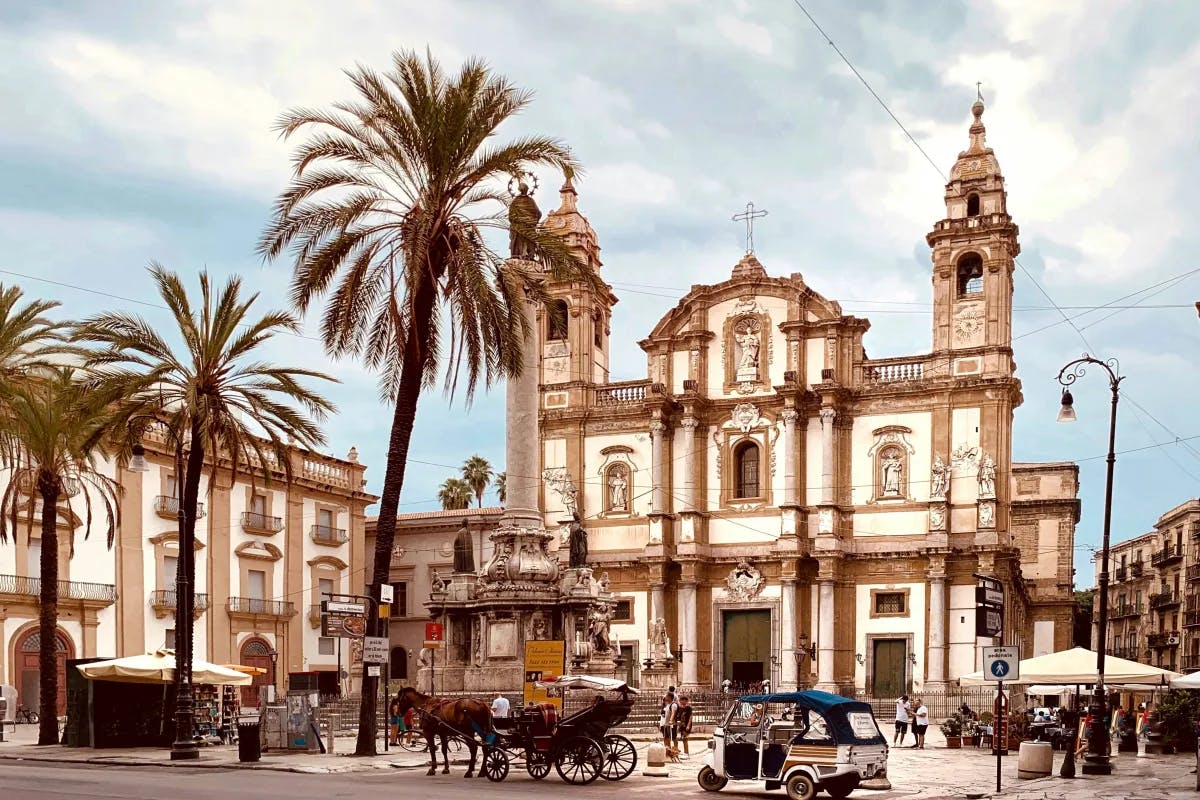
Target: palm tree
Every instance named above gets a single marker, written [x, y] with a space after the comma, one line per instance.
[477, 472]
[215, 394]
[455, 493]
[385, 218]
[501, 489]
[27, 335]
[53, 437]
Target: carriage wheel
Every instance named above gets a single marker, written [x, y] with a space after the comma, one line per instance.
[620, 758]
[579, 761]
[495, 764]
[537, 764]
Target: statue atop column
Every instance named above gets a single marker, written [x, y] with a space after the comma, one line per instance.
[578, 544]
[523, 218]
[464, 553]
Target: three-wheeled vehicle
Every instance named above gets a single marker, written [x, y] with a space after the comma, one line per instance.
[803, 741]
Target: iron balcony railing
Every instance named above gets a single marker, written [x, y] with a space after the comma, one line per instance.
[1135, 568]
[1168, 555]
[253, 521]
[1164, 599]
[1191, 619]
[168, 506]
[1193, 572]
[67, 590]
[1164, 639]
[268, 608]
[1120, 574]
[1127, 610]
[167, 598]
[323, 534]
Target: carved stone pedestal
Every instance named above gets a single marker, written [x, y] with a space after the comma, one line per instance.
[658, 678]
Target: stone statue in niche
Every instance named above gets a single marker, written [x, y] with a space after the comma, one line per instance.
[618, 488]
[746, 334]
[523, 218]
[464, 553]
[658, 639]
[540, 631]
[939, 478]
[599, 633]
[578, 545]
[987, 477]
[892, 469]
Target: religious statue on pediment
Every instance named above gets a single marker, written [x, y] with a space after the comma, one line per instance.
[747, 335]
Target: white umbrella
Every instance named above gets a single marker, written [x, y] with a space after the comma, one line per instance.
[1078, 665]
[1190, 681]
[159, 667]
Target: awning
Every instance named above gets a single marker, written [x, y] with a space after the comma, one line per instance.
[1190, 681]
[159, 667]
[1078, 665]
[587, 682]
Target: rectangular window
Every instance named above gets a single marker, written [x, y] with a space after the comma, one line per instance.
[172, 485]
[33, 561]
[258, 505]
[324, 588]
[170, 571]
[257, 588]
[325, 518]
[400, 599]
[169, 639]
[890, 603]
[326, 646]
[623, 612]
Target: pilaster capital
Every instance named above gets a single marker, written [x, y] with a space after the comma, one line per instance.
[828, 415]
[657, 427]
[689, 424]
[789, 416]
[937, 567]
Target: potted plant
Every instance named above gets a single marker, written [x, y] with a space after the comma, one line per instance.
[1018, 729]
[972, 732]
[952, 729]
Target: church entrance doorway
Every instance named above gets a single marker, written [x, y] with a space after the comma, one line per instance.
[747, 645]
[889, 667]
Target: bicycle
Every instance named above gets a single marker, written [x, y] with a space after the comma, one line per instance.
[27, 714]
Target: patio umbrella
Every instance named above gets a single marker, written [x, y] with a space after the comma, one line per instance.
[1078, 665]
[159, 667]
[1190, 681]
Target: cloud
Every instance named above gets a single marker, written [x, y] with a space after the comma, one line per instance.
[749, 36]
[630, 183]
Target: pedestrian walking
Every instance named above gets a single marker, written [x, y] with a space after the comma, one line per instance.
[500, 706]
[920, 722]
[902, 720]
[666, 723]
[683, 722]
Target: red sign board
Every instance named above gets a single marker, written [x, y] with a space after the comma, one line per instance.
[433, 631]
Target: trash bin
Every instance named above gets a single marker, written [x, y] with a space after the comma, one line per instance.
[1034, 760]
[249, 741]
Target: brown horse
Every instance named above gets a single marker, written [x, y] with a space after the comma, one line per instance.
[441, 717]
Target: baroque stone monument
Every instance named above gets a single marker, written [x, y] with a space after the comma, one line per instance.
[524, 592]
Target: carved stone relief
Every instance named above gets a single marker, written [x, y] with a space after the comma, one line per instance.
[744, 582]
[987, 514]
[746, 417]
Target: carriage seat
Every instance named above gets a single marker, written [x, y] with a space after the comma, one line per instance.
[543, 718]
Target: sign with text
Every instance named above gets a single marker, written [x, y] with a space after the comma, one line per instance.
[387, 593]
[989, 607]
[1001, 663]
[343, 620]
[434, 631]
[991, 595]
[989, 621]
[375, 650]
[543, 661]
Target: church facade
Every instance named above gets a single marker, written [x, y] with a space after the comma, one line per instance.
[788, 507]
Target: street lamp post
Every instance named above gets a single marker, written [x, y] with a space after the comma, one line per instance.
[1097, 760]
[183, 748]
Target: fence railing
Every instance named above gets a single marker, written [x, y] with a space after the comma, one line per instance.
[167, 506]
[167, 598]
[67, 590]
[252, 605]
[323, 534]
[617, 393]
[254, 521]
[894, 370]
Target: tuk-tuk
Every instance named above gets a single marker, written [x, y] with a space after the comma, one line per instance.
[803, 741]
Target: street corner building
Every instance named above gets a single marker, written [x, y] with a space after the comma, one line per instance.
[265, 549]
[770, 502]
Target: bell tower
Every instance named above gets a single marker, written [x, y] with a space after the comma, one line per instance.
[973, 252]
[577, 321]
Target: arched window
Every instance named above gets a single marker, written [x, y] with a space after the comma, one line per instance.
[399, 664]
[970, 274]
[556, 319]
[972, 205]
[745, 459]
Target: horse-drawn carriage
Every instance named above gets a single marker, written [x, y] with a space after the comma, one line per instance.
[579, 746]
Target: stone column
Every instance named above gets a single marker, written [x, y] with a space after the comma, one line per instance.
[690, 500]
[827, 416]
[935, 659]
[825, 637]
[789, 416]
[658, 467]
[787, 637]
[522, 460]
[689, 668]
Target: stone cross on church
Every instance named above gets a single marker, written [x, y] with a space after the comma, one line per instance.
[748, 216]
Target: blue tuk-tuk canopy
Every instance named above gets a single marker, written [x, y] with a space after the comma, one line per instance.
[824, 703]
[809, 698]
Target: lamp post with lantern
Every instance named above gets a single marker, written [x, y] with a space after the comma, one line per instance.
[1097, 761]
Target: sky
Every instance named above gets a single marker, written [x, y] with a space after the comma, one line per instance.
[134, 132]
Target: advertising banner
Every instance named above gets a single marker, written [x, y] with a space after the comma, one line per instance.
[543, 661]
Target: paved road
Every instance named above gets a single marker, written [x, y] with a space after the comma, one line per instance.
[41, 781]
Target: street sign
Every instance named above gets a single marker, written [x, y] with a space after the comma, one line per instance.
[375, 650]
[433, 631]
[989, 595]
[432, 644]
[342, 607]
[387, 593]
[372, 671]
[989, 621]
[1001, 664]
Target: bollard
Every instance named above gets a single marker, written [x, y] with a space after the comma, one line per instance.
[329, 726]
[656, 761]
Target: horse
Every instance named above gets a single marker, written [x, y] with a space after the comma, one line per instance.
[441, 717]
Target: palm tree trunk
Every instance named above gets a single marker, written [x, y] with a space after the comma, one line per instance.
[407, 395]
[49, 488]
